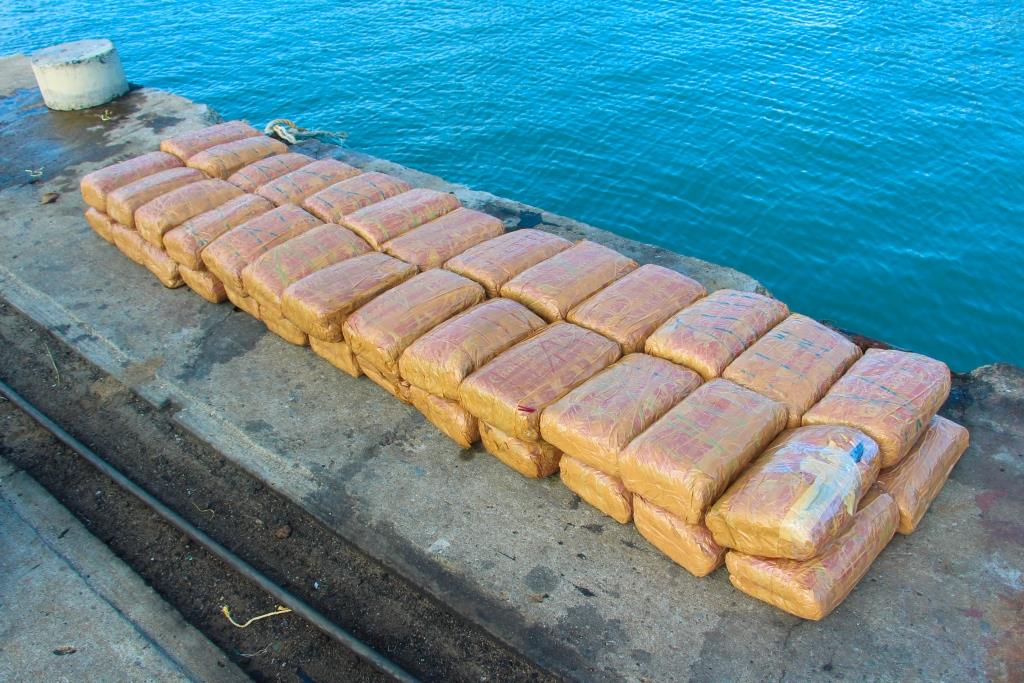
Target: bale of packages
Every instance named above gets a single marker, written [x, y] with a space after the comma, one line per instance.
[161, 265]
[259, 173]
[204, 283]
[708, 335]
[889, 395]
[603, 491]
[154, 218]
[385, 327]
[801, 493]
[320, 303]
[811, 589]
[97, 185]
[186, 145]
[448, 416]
[122, 202]
[282, 327]
[554, 286]
[241, 300]
[267, 277]
[433, 243]
[222, 161]
[533, 459]
[332, 204]
[795, 363]
[337, 354]
[129, 242]
[596, 420]
[917, 479]
[295, 187]
[630, 309]
[685, 461]
[691, 546]
[386, 220]
[512, 391]
[100, 223]
[496, 261]
[229, 254]
[185, 243]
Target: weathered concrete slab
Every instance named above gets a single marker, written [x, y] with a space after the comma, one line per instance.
[577, 592]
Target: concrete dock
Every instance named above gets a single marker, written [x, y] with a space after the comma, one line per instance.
[550, 577]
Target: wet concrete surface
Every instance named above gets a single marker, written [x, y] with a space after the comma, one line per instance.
[571, 589]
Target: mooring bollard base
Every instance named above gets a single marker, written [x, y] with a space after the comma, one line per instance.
[79, 75]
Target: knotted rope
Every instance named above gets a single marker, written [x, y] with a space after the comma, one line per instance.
[286, 130]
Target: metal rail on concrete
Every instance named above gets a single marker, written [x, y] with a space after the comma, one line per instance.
[286, 597]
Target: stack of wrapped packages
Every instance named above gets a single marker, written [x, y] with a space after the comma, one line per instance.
[726, 428]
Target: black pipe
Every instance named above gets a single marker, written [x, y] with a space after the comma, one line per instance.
[283, 595]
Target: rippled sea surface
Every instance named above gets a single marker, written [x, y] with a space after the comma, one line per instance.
[864, 160]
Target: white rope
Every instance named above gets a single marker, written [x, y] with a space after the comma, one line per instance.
[286, 130]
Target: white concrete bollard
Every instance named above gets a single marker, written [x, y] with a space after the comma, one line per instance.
[78, 75]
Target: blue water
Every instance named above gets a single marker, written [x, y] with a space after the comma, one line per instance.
[864, 160]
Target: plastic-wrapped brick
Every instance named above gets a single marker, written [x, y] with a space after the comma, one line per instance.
[337, 354]
[320, 303]
[448, 416]
[97, 185]
[534, 459]
[161, 265]
[122, 202]
[889, 395]
[261, 172]
[630, 309]
[100, 223]
[154, 218]
[396, 216]
[794, 363]
[204, 283]
[229, 254]
[332, 204]
[811, 589]
[382, 329]
[284, 329]
[603, 491]
[433, 243]
[917, 479]
[129, 242]
[798, 495]
[597, 419]
[708, 335]
[224, 160]
[186, 242]
[552, 287]
[186, 145]
[496, 261]
[691, 546]
[267, 277]
[241, 300]
[441, 359]
[512, 391]
[295, 187]
[685, 461]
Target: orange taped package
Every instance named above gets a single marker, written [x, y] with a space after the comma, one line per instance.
[228, 255]
[629, 310]
[161, 265]
[889, 395]
[284, 329]
[295, 187]
[204, 283]
[241, 300]
[795, 363]
[917, 479]
[261, 172]
[129, 242]
[332, 204]
[186, 145]
[691, 546]
[597, 419]
[337, 354]
[800, 494]
[433, 243]
[533, 459]
[708, 335]
[811, 589]
[512, 391]
[154, 218]
[100, 223]
[267, 277]
[685, 461]
[382, 329]
[186, 242]
[320, 303]
[122, 202]
[603, 491]
[97, 185]
[552, 287]
[224, 160]
[396, 216]
[448, 416]
[496, 261]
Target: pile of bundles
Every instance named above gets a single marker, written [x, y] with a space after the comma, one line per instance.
[728, 429]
